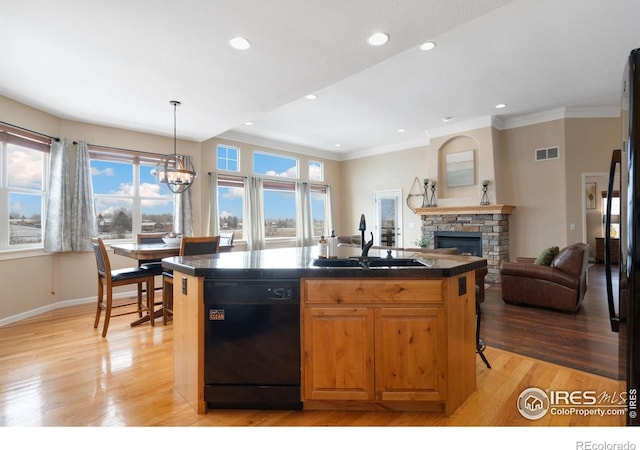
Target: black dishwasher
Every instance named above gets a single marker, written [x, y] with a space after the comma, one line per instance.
[252, 344]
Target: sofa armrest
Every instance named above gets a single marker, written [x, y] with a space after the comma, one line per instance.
[538, 272]
[525, 259]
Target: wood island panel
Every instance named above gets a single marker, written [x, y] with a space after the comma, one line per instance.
[188, 340]
[336, 291]
[422, 336]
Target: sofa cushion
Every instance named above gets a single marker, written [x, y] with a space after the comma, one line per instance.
[546, 256]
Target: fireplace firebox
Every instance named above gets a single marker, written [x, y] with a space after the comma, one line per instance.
[467, 242]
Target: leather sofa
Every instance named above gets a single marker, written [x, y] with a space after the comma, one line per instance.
[560, 286]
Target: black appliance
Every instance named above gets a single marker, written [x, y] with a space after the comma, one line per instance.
[252, 344]
[626, 321]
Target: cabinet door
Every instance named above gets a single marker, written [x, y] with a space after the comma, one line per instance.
[338, 353]
[410, 351]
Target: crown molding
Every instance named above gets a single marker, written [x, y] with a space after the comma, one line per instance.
[506, 123]
[498, 122]
[259, 141]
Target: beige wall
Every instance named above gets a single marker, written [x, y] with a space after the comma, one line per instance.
[548, 195]
[536, 188]
[363, 176]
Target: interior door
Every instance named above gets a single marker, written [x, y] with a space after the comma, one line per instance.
[388, 226]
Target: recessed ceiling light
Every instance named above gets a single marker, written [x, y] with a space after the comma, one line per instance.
[338, 145]
[248, 123]
[310, 97]
[401, 130]
[377, 39]
[501, 105]
[447, 119]
[428, 46]
[239, 43]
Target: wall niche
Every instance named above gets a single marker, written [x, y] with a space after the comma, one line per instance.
[458, 161]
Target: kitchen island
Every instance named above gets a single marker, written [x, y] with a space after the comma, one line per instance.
[393, 331]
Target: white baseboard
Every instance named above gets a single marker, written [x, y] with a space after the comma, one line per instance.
[57, 305]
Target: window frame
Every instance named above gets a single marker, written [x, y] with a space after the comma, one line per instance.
[279, 185]
[227, 159]
[276, 176]
[21, 138]
[231, 181]
[137, 159]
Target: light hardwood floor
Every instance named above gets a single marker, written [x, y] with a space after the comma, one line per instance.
[56, 370]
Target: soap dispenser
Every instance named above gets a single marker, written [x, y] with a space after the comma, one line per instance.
[323, 248]
[333, 245]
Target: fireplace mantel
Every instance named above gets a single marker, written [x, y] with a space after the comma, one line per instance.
[457, 210]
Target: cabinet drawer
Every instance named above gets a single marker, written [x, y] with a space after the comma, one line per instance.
[360, 291]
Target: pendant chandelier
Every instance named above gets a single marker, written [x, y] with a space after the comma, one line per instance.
[176, 171]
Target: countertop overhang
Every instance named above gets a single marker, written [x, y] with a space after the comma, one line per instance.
[296, 262]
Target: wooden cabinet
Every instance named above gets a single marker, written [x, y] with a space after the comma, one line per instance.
[388, 342]
[338, 353]
[410, 354]
[615, 251]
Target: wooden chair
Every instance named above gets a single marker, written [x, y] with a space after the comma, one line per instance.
[190, 246]
[226, 241]
[153, 265]
[108, 279]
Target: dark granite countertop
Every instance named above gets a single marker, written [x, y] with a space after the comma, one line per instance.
[297, 262]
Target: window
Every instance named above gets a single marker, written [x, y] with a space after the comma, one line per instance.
[316, 171]
[231, 205]
[24, 160]
[279, 209]
[275, 165]
[319, 210]
[128, 200]
[227, 158]
[615, 212]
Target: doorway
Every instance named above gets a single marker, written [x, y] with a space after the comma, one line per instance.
[388, 225]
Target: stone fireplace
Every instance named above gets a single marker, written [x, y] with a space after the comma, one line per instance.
[489, 222]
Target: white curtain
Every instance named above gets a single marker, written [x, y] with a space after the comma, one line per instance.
[71, 218]
[304, 221]
[329, 210]
[183, 213]
[213, 225]
[253, 216]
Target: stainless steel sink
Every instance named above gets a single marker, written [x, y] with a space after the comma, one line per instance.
[326, 262]
[368, 263]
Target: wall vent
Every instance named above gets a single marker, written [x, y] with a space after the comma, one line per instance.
[543, 154]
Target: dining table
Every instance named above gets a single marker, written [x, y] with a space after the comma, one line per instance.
[146, 252]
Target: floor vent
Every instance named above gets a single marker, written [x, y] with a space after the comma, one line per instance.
[543, 154]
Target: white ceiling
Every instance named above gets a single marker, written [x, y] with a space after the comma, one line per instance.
[119, 63]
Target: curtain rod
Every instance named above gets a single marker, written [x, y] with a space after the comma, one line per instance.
[57, 139]
[121, 149]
